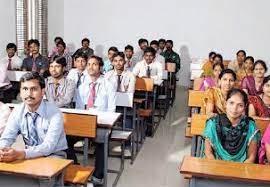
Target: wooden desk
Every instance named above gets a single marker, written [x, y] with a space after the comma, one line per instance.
[44, 171]
[218, 173]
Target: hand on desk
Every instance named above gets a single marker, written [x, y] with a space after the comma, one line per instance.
[9, 154]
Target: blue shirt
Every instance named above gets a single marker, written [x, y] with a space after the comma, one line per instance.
[50, 130]
[107, 66]
[105, 99]
[40, 62]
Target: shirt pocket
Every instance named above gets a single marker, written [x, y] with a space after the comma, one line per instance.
[44, 127]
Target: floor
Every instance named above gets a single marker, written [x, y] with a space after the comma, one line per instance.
[158, 161]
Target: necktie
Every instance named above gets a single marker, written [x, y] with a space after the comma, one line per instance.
[119, 83]
[32, 129]
[79, 79]
[92, 95]
[148, 72]
[56, 86]
[34, 67]
[9, 64]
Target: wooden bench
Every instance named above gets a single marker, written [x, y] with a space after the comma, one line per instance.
[80, 125]
[219, 173]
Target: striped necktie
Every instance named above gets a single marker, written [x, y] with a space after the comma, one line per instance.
[32, 129]
[91, 98]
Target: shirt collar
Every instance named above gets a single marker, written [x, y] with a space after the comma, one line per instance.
[61, 81]
[40, 110]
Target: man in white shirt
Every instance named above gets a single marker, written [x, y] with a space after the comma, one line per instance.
[159, 58]
[99, 94]
[124, 79]
[138, 56]
[12, 61]
[148, 68]
[78, 75]
[129, 58]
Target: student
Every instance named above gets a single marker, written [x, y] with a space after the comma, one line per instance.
[36, 62]
[55, 51]
[147, 67]
[59, 89]
[232, 136]
[124, 79]
[12, 61]
[143, 44]
[39, 122]
[207, 66]
[247, 70]
[252, 84]
[212, 81]
[4, 81]
[130, 61]
[61, 51]
[215, 97]
[171, 54]
[161, 45]
[259, 104]
[97, 94]
[78, 75]
[264, 151]
[159, 58]
[237, 64]
[85, 49]
[108, 63]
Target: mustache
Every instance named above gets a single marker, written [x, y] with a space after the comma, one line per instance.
[32, 98]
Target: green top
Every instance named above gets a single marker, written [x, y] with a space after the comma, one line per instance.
[174, 57]
[228, 142]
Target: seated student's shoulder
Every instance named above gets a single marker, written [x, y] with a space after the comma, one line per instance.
[51, 109]
[108, 74]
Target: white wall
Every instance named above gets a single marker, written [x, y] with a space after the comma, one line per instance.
[55, 21]
[196, 27]
[7, 22]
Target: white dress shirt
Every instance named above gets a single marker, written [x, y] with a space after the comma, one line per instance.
[16, 62]
[156, 71]
[127, 80]
[74, 75]
[105, 94]
[160, 59]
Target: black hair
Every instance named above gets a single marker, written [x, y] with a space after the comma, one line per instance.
[227, 71]
[121, 54]
[249, 58]
[59, 60]
[262, 63]
[61, 43]
[241, 51]
[80, 55]
[218, 64]
[58, 38]
[33, 41]
[114, 49]
[142, 40]
[154, 42]
[85, 40]
[218, 56]
[33, 76]
[150, 50]
[211, 53]
[12, 46]
[161, 40]
[99, 59]
[265, 80]
[169, 41]
[235, 91]
[129, 47]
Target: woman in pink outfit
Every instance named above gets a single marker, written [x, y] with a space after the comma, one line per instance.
[209, 82]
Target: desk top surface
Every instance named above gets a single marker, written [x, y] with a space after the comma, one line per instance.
[219, 169]
[44, 167]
